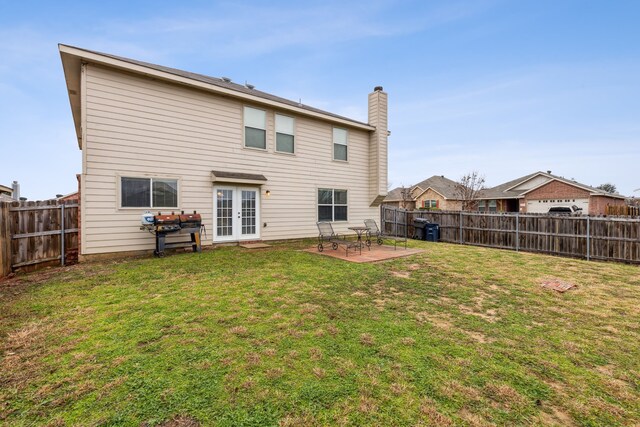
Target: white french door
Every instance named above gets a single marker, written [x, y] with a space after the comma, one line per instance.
[236, 213]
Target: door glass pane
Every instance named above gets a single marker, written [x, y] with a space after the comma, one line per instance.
[224, 217]
[248, 212]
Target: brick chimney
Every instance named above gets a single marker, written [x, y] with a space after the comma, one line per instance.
[378, 146]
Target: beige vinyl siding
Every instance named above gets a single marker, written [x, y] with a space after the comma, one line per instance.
[139, 127]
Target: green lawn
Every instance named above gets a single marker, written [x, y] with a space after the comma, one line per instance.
[456, 335]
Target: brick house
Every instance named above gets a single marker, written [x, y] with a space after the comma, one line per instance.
[436, 192]
[539, 191]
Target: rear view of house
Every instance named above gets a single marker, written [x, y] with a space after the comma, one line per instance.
[254, 165]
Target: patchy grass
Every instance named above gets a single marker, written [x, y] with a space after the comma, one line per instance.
[453, 336]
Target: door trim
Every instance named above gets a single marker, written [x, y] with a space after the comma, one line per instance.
[237, 235]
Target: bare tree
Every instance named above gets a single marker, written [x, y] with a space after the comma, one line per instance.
[405, 193]
[467, 189]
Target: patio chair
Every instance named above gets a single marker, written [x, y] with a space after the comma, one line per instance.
[374, 232]
[327, 235]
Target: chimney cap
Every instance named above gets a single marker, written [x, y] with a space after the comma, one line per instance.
[377, 89]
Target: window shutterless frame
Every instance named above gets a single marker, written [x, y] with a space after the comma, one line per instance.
[285, 139]
[142, 192]
[255, 128]
[333, 205]
[340, 144]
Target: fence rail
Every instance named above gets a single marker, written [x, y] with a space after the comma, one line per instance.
[37, 233]
[601, 238]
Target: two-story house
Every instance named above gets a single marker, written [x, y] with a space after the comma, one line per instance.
[254, 165]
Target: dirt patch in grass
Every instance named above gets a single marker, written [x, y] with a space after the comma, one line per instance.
[178, 421]
[401, 274]
[558, 285]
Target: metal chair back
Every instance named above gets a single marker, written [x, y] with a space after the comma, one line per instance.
[325, 229]
[373, 227]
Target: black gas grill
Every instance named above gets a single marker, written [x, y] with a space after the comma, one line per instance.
[168, 225]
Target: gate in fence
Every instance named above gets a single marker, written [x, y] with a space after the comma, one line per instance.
[602, 238]
[34, 234]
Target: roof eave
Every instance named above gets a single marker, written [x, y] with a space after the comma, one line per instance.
[71, 66]
[139, 69]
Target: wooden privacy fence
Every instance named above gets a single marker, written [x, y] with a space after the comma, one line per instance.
[623, 210]
[33, 234]
[601, 238]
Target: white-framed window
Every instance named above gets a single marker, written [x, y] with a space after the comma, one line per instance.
[493, 206]
[285, 137]
[340, 143]
[430, 204]
[148, 192]
[332, 204]
[255, 125]
[482, 206]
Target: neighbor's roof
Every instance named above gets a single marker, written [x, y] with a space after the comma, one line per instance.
[72, 57]
[395, 195]
[503, 191]
[438, 183]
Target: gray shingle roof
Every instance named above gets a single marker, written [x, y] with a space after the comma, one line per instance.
[220, 83]
[394, 195]
[442, 185]
[439, 183]
[501, 191]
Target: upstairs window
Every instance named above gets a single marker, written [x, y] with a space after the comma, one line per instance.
[148, 193]
[332, 205]
[285, 139]
[255, 125]
[340, 137]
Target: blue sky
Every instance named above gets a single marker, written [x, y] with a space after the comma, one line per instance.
[502, 87]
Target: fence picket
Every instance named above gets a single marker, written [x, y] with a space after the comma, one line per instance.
[601, 238]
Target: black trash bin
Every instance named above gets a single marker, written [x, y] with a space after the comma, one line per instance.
[420, 224]
[432, 232]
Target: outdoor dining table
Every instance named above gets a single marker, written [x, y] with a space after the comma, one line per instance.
[360, 230]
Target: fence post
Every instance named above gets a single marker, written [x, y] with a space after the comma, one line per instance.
[62, 217]
[517, 231]
[461, 237]
[588, 239]
[395, 222]
[5, 240]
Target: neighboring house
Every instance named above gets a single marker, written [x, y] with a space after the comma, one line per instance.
[539, 191]
[10, 194]
[256, 166]
[6, 193]
[400, 197]
[68, 197]
[436, 192]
